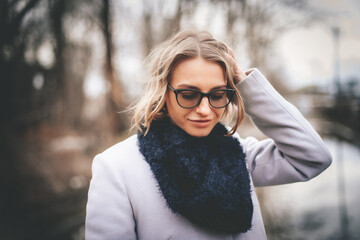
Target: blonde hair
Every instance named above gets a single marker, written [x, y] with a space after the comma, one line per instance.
[163, 60]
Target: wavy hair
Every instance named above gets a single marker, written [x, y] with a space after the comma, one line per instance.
[163, 60]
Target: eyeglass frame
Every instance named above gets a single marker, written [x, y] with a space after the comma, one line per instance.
[176, 91]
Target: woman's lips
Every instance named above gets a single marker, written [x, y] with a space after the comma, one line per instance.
[201, 123]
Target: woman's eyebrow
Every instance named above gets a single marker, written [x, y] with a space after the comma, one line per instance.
[196, 88]
[218, 87]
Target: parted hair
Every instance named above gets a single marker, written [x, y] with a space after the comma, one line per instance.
[162, 61]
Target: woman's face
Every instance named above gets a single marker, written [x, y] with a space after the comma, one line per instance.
[202, 75]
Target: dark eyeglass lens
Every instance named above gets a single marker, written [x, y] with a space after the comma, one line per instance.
[188, 99]
[218, 99]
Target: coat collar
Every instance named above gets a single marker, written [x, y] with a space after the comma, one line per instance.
[203, 179]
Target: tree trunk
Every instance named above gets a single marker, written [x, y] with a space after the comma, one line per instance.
[115, 101]
[57, 11]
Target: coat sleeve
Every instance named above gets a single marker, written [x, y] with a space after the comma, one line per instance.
[294, 151]
[108, 213]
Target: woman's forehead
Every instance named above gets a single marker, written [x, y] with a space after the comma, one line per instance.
[198, 72]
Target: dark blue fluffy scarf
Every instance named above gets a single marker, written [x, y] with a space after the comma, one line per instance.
[203, 179]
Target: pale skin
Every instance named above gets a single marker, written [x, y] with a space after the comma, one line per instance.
[205, 76]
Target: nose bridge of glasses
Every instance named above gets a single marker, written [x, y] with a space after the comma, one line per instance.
[200, 97]
[204, 105]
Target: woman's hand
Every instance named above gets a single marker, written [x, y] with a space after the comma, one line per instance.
[238, 73]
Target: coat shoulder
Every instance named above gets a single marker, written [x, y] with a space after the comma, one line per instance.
[124, 153]
[120, 147]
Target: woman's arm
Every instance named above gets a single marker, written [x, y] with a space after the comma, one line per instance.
[294, 152]
[108, 212]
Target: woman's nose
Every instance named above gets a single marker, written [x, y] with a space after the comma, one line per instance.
[204, 107]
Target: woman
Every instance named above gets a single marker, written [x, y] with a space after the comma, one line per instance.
[186, 176]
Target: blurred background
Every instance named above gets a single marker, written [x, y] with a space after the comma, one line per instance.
[69, 69]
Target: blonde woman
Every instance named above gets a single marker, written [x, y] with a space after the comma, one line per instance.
[187, 176]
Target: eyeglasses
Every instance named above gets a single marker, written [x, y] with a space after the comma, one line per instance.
[190, 98]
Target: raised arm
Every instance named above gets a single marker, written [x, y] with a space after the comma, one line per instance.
[294, 151]
[108, 213]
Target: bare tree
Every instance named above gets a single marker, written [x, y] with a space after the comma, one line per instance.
[116, 99]
[57, 12]
[151, 33]
[10, 22]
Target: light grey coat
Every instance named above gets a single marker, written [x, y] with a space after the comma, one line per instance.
[124, 201]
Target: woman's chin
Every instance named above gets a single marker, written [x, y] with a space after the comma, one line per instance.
[198, 132]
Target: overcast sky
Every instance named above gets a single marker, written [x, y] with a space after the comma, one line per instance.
[308, 53]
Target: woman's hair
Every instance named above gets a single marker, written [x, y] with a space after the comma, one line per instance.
[163, 60]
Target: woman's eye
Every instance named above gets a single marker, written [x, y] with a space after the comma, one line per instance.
[217, 96]
[189, 95]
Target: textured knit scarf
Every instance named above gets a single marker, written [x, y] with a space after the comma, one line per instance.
[203, 179]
